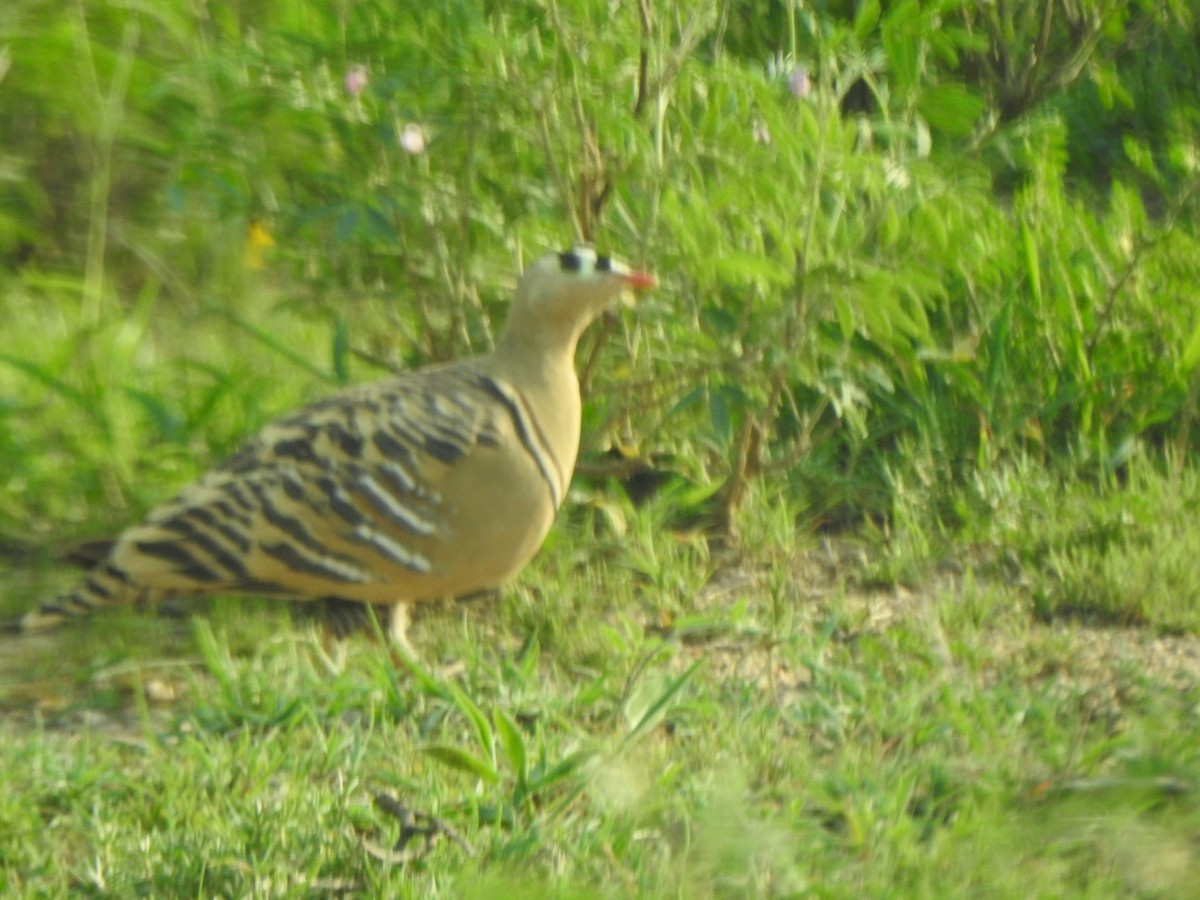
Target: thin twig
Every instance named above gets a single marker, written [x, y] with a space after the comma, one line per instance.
[413, 824]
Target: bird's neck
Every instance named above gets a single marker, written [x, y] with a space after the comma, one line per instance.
[540, 364]
[540, 352]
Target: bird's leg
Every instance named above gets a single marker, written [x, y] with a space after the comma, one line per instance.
[398, 628]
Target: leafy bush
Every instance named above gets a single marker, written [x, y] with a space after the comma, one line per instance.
[871, 259]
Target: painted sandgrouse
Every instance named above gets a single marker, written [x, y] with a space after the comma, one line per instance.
[430, 484]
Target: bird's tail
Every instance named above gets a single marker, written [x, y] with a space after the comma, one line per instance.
[105, 585]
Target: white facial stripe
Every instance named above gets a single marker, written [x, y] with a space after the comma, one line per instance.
[587, 260]
[580, 261]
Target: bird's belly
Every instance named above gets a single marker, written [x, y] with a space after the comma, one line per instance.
[488, 526]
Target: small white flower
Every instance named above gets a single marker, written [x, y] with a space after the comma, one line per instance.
[412, 138]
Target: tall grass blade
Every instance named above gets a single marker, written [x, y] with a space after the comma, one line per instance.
[277, 345]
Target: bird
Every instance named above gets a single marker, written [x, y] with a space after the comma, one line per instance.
[433, 483]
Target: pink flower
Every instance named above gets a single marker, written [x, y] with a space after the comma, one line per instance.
[356, 79]
[798, 82]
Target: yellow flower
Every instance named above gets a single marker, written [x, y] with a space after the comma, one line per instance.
[258, 239]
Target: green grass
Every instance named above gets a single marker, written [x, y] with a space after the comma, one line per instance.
[766, 724]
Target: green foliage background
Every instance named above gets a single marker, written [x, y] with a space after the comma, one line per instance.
[971, 238]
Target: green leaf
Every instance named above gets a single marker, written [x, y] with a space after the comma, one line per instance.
[1190, 357]
[719, 321]
[1141, 156]
[527, 658]
[470, 709]
[222, 385]
[695, 495]
[339, 352]
[720, 415]
[951, 108]
[513, 743]
[846, 316]
[269, 340]
[866, 19]
[457, 758]
[1032, 266]
[901, 41]
[55, 384]
[347, 225]
[170, 425]
[379, 226]
[998, 346]
[561, 771]
[688, 400]
[646, 709]
[430, 683]
[743, 267]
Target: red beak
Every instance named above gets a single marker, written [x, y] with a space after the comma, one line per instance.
[639, 280]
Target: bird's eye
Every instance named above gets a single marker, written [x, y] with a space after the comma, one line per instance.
[583, 261]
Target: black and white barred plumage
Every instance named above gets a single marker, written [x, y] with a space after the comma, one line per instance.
[435, 483]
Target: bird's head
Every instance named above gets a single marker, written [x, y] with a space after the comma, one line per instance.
[569, 289]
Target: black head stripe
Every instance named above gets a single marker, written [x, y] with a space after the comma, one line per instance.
[574, 261]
